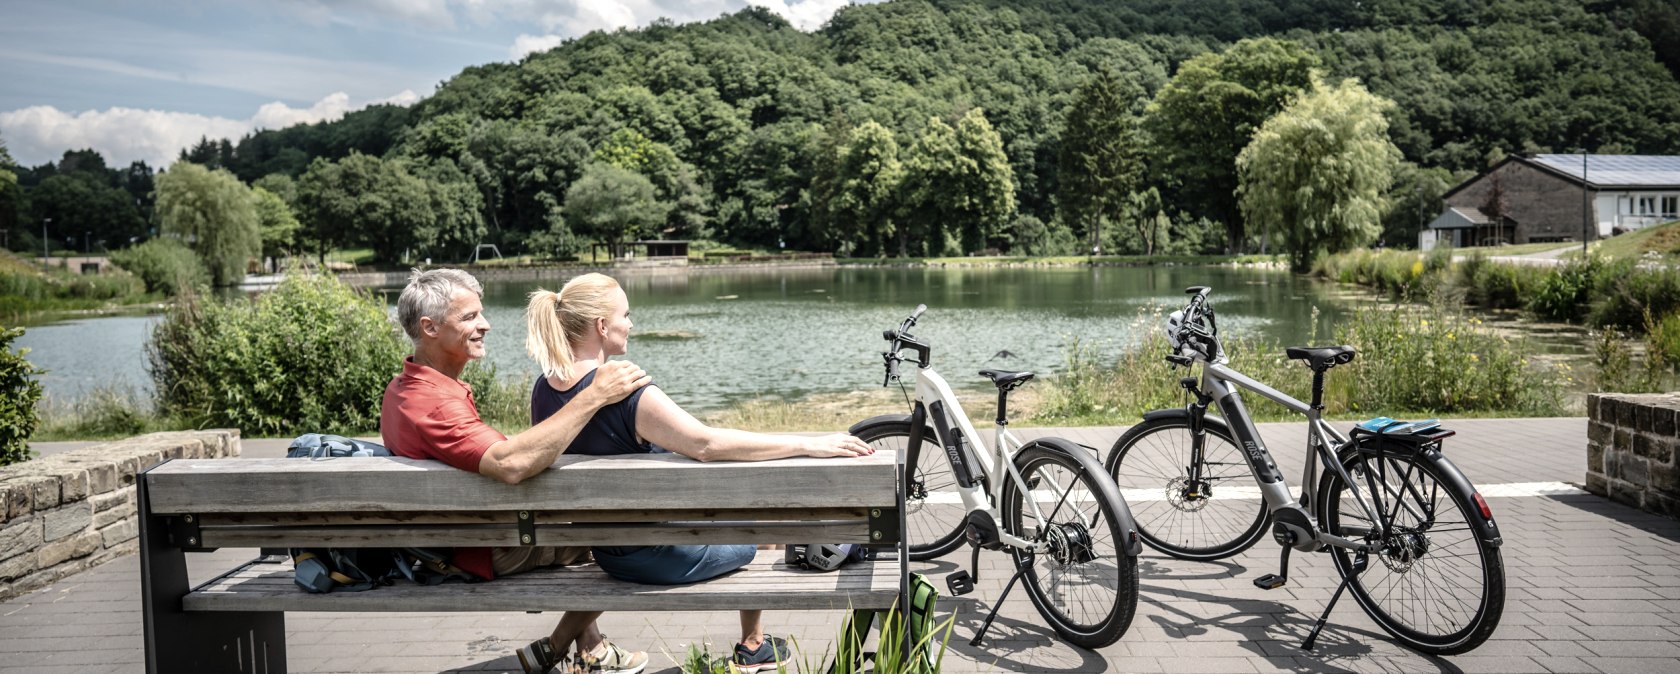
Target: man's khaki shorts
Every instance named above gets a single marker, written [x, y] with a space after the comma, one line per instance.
[509, 561]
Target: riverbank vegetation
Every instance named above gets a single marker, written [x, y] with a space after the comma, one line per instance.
[1625, 299]
[29, 293]
[19, 392]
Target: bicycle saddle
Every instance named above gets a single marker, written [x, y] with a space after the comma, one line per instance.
[1321, 358]
[1005, 379]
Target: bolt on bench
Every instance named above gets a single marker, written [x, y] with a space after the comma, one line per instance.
[236, 621]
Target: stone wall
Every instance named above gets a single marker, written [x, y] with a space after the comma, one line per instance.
[1632, 445]
[67, 512]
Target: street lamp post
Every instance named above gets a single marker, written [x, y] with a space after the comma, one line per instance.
[87, 248]
[46, 251]
[1586, 208]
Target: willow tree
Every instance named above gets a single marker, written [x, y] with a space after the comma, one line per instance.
[213, 213]
[1317, 173]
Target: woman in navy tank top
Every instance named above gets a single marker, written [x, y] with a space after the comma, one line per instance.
[572, 332]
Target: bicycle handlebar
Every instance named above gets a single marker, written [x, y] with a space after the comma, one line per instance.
[901, 339]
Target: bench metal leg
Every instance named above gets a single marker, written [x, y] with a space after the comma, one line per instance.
[179, 641]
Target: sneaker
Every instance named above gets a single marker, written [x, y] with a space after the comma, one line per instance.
[771, 655]
[610, 659]
[539, 657]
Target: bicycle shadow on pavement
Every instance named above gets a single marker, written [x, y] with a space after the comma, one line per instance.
[1340, 648]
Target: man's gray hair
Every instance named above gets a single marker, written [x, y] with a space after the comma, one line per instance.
[428, 294]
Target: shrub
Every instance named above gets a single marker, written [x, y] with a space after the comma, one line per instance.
[1662, 340]
[19, 391]
[105, 412]
[1626, 293]
[310, 355]
[1440, 361]
[1501, 286]
[1617, 371]
[166, 265]
[1566, 293]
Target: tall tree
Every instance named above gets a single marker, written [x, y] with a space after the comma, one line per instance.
[866, 196]
[1414, 200]
[959, 184]
[1208, 113]
[368, 200]
[276, 225]
[11, 195]
[1317, 173]
[214, 213]
[613, 205]
[1100, 162]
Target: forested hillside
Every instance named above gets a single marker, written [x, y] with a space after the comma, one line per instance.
[937, 126]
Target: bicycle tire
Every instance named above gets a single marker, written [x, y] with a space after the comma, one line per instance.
[1148, 464]
[1090, 601]
[934, 512]
[1436, 585]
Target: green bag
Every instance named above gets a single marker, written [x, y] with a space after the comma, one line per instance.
[924, 600]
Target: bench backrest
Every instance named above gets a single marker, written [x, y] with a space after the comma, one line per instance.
[583, 500]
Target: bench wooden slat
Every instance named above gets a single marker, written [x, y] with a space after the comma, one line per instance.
[766, 584]
[658, 481]
[541, 517]
[574, 534]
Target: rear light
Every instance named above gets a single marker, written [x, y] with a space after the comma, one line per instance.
[1481, 503]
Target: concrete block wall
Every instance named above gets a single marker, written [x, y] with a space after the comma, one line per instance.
[1633, 441]
[67, 512]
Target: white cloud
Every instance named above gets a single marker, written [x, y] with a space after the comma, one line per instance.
[565, 19]
[807, 16]
[527, 44]
[43, 133]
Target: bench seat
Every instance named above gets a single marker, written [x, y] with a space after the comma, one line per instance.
[768, 583]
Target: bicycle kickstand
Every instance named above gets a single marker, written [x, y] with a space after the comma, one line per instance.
[1359, 560]
[985, 626]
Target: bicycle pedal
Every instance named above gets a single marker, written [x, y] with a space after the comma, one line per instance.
[1270, 581]
[959, 583]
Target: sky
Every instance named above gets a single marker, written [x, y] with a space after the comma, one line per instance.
[139, 80]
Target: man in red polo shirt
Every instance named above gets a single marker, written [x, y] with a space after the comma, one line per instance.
[429, 413]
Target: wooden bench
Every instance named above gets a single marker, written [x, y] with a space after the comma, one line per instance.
[235, 622]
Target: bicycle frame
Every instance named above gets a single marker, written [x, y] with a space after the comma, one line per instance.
[1220, 383]
[936, 403]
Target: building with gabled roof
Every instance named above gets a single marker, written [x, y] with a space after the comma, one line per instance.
[1558, 197]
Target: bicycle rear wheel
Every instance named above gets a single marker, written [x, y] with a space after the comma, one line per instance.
[934, 511]
[1218, 515]
[1085, 584]
[1433, 582]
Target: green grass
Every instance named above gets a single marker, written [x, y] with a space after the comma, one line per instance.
[1663, 240]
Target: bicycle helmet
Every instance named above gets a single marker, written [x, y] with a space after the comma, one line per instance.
[1175, 326]
[819, 556]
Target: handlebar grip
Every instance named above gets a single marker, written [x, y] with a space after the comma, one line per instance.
[918, 312]
[889, 335]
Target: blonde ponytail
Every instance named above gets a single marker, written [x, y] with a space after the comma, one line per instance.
[556, 321]
[545, 336]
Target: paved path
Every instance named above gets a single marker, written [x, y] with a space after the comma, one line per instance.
[1593, 587]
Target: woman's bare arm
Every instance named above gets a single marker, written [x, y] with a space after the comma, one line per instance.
[660, 421]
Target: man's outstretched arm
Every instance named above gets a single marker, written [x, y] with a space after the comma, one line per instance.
[518, 458]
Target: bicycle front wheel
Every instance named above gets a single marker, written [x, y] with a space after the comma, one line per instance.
[934, 511]
[1197, 511]
[1432, 582]
[1084, 583]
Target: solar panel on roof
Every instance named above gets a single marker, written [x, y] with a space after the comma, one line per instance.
[1613, 170]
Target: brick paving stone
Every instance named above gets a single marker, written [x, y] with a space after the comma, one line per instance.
[1594, 585]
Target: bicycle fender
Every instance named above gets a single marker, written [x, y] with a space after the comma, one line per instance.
[1089, 462]
[1171, 413]
[882, 419]
[1485, 527]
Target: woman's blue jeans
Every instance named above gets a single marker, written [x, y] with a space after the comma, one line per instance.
[672, 564]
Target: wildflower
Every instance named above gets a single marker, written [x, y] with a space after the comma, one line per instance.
[1424, 324]
[1474, 358]
[1450, 336]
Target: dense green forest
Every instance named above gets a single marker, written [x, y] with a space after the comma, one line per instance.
[934, 126]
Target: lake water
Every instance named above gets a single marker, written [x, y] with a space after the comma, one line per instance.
[715, 337]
